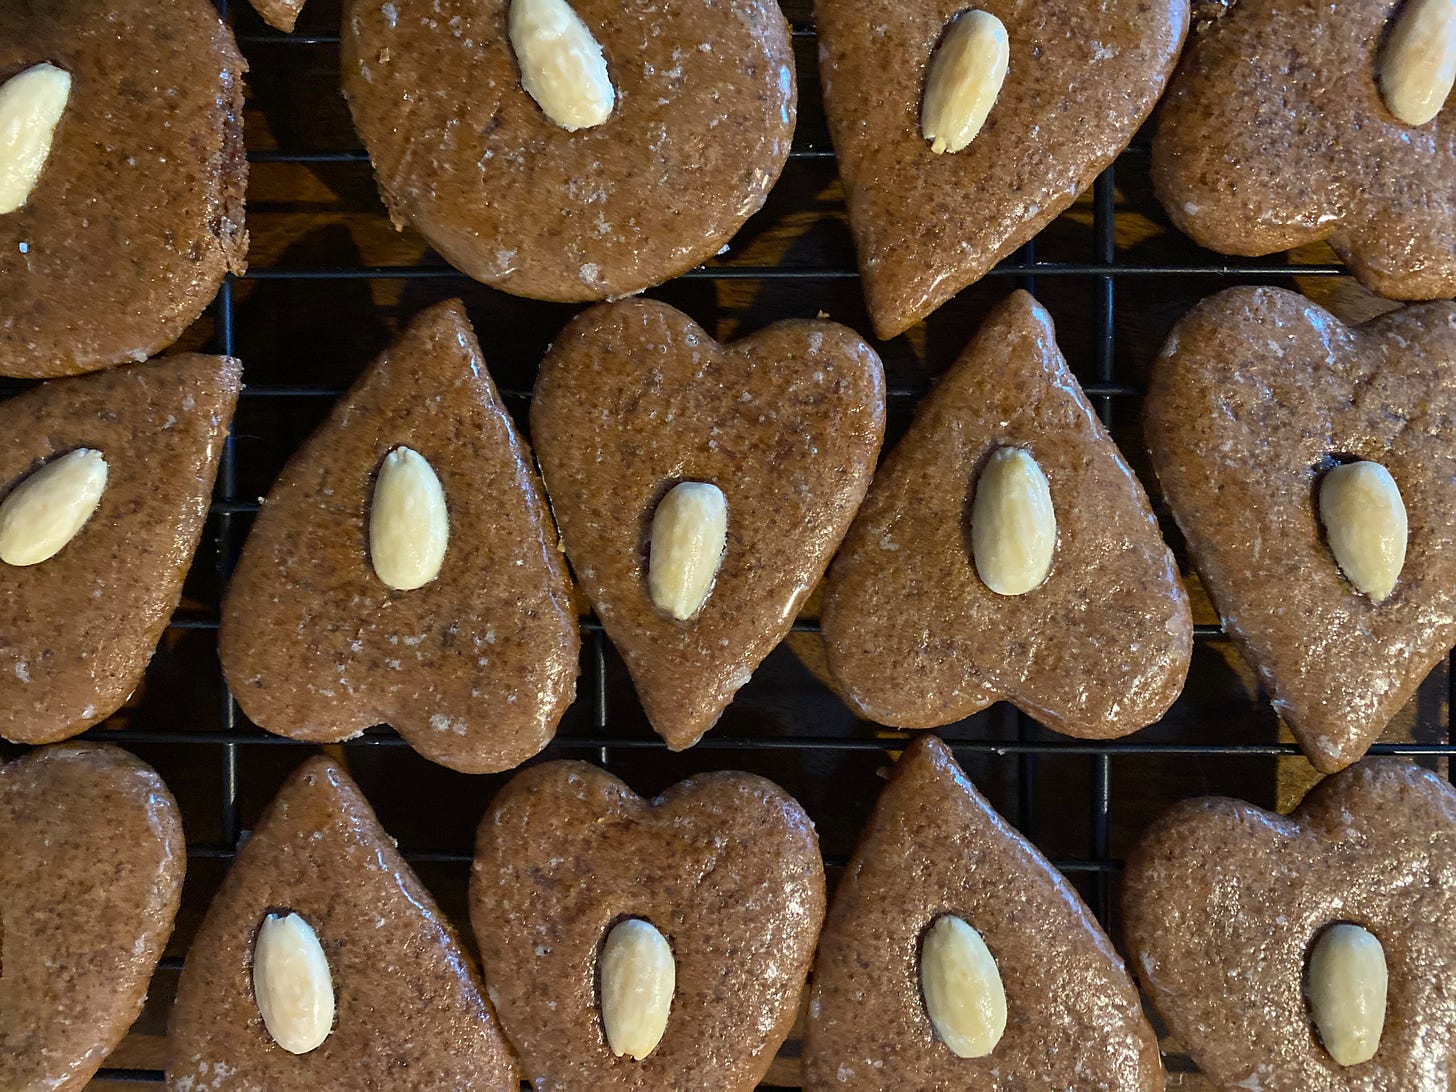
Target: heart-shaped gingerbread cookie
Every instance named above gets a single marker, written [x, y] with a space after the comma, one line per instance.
[79, 624]
[935, 848]
[1082, 79]
[1275, 134]
[693, 131]
[1258, 393]
[407, 1005]
[91, 863]
[1224, 904]
[633, 400]
[723, 867]
[137, 214]
[473, 666]
[915, 634]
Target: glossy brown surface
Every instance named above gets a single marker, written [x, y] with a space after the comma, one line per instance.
[635, 397]
[725, 865]
[705, 105]
[138, 214]
[917, 640]
[279, 14]
[91, 864]
[1256, 394]
[408, 1008]
[1083, 78]
[934, 846]
[1222, 901]
[1274, 134]
[77, 631]
[476, 667]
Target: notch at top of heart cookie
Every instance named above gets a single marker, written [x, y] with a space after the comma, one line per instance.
[1258, 400]
[701, 489]
[1282, 127]
[1060, 596]
[1079, 79]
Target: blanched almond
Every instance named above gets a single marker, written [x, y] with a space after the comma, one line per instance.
[1346, 984]
[409, 526]
[1364, 517]
[637, 977]
[962, 986]
[1013, 525]
[31, 105]
[562, 66]
[49, 508]
[1418, 63]
[292, 984]
[965, 76]
[689, 533]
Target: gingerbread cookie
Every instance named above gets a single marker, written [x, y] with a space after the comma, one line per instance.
[1277, 132]
[577, 152]
[938, 875]
[105, 481]
[643, 944]
[91, 863]
[132, 111]
[1078, 82]
[1261, 407]
[701, 488]
[407, 554]
[1006, 551]
[1236, 918]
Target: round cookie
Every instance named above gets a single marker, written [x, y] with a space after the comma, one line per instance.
[1274, 134]
[703, 116]
[1222, 902]
[138, 213]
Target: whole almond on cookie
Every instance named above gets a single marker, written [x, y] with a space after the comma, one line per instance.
[708, 897]
[634, 400]
[1258, 397]
[1059, 596]
[408, 552]
[955, 956]
[1310, 951]
[105, 481]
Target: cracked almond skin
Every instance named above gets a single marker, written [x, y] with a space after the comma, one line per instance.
[1255, 393]
[138, 214]
[701, 127]
[410, 1011]
[91, 863]
[1221, 892]
[934, 846]
[475, 668]
[77, 631]
[1287, 91]
[725, 865]
[635, 397]
[1083, 79]
[916, 639]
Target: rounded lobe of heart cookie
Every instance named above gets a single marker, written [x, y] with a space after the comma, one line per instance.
[634, 398]
[409, 997]
[78, 630]
[1082, 79]
[138, 214]
[1256, 393]
[914, 636]
[935, 846]
[475, 668]
[705, 102]
[1220, 891]
[1288, 92]
[91, 863]
[725, 865]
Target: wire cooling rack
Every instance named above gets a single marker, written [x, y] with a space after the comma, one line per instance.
[331, 282]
